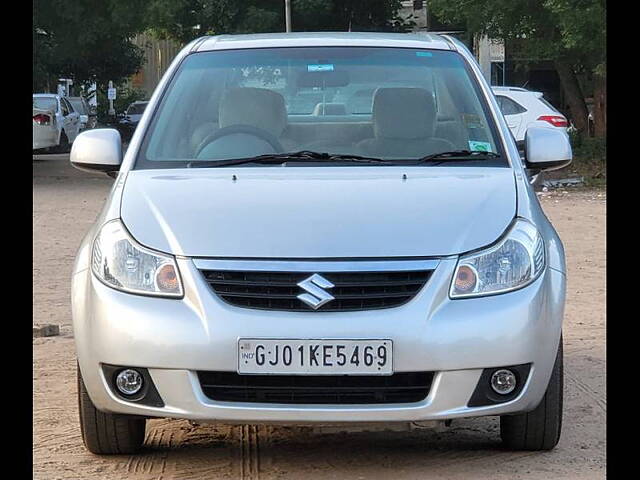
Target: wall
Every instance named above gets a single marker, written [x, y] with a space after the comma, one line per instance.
[158, 54]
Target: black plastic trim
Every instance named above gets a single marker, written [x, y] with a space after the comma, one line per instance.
[352, 291]
[110, 170]
[401, 387]
[147, 396]
[548, 166]
[484, 395]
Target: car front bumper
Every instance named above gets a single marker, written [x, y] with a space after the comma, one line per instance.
[456, 339]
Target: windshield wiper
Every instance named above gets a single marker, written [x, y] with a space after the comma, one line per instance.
[457, 156]
[279, 158]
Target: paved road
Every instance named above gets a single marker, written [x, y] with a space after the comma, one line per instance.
[66, 202]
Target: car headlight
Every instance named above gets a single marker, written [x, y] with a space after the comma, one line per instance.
[514, 262]
[120, 262]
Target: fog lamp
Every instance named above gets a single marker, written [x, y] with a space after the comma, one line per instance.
[503, 381]
[129, 382]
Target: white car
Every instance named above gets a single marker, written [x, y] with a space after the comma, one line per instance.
[522, 107]
[55, 122]
[87, 119]
[301, 263]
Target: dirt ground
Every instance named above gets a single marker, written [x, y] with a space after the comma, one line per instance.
[65, 203]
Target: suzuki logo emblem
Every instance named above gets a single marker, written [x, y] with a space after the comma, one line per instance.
[316, 296]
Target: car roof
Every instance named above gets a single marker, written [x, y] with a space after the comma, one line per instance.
[324, 39]
[42, 95]
[515, 90]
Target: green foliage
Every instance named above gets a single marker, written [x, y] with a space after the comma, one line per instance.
[589, 159]
[125, 96]
[90, 40]
[342, 15]
[86, 40]
[589, 149]
[542, 29]
[184, 20]
[582, 24]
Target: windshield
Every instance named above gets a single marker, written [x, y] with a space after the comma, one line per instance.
[45, 103]
[390, 103]
[136, 108]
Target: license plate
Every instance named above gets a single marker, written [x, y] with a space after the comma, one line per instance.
[315, 357]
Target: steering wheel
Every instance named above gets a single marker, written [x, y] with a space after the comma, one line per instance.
[235, 129]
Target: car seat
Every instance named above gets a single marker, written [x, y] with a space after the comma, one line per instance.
[404, 121]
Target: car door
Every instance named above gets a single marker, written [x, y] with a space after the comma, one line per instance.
[71, 120]
[514, 115]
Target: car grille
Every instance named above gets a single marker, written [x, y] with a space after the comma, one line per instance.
[316, 389]
[352, 290]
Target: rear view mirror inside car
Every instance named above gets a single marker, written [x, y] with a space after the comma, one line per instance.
[323, 78]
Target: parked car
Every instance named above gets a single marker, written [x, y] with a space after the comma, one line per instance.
[522, 107]
[55, 122]
[88, 118]
[131, 117]
[261, 263]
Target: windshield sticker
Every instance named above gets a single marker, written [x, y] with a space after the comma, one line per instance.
[475, 146]
[424, 54]
[320, 67]
[471, 120]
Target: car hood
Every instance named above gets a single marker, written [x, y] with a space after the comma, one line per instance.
[325, 212]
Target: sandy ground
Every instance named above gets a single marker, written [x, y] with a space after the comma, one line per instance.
[65, 203]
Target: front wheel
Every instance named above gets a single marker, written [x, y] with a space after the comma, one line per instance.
[539, 429]
[107, 433]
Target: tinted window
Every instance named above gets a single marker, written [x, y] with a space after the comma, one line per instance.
[78, 105]
[64, 106]
[136, 108]
[509, 107]
[45, 103]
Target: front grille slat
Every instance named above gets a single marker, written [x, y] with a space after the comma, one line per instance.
[256, 295]
[246, 283]
[405, 387]
[352, 291]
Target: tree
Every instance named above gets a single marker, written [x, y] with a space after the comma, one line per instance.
[184, 20]
[571, 33]
[85, 40]
[344, 15]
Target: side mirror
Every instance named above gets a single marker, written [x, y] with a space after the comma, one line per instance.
[546, 148]
[97, 150]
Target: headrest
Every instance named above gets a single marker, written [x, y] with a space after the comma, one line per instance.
[403, 113]
[257, 107]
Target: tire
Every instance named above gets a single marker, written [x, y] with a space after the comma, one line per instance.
[106, 433]
[539, 429]
[64, 146]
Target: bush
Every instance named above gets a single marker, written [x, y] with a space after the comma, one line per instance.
[589, 160]
[589, 149]
[124, 97]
